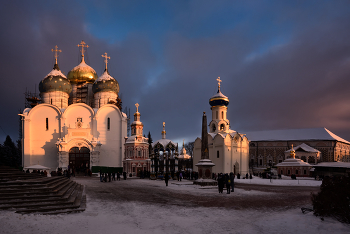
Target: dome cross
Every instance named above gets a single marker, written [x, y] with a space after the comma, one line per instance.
[137, 107]
[219, 81]
[82, 45]
[56, 53]
[106, 59]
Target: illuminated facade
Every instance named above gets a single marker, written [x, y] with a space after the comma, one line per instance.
[79, 123]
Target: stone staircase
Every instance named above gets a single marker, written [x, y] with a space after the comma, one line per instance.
[32, 193]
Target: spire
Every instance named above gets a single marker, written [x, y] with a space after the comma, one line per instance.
[219, 81]
[204, 148]
[292, 152]
[82, 45]
[163, 132]
[55, 67]
[106, 61]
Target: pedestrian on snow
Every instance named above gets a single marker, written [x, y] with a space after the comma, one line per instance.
[124, 175]
[180, 176]
[166, 179]
[221, 183]
[118, 176]
[232, 178]
[228, 183]
[113, 176]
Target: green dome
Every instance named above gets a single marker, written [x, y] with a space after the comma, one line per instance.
[105, 83]
[55, 81]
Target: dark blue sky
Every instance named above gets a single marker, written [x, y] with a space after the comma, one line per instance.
[284, 64]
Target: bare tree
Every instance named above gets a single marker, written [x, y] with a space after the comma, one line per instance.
[189, 148]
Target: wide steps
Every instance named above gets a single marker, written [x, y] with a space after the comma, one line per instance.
[33, 193]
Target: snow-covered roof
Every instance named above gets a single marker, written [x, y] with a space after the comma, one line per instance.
[163, 142]
[133, 139]
[293, 162]
[105, 76]
[333, 164]
[219, 94]
[83, 67]
[305, 147]
[294, 134]
[55, 72]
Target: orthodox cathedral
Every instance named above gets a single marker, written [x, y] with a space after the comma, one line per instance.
[228, 149]
[79, 122]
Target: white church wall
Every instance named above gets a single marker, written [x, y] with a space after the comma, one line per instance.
[112, 139]
[43, 132]
[78, 110]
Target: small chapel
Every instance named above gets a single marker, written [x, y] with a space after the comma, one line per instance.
[79, 122]
[228, 149]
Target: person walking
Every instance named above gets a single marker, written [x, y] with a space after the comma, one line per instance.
[118, 176]
[232, 178]
[166, 179]
[180, 176]
[228, 183]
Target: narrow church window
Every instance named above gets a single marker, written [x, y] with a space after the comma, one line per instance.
[61, 103]
[288, 172]
[222, 114]
[304, 172]
[47, 124]
[296, 172]
[260, 162]
[51, 101]
[214, 128]
[222, 126]
[217, 154]
[108, 124]
[139, 152]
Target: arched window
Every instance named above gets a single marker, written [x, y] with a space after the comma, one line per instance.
[222, 127]
[51, 101]
[214, 128]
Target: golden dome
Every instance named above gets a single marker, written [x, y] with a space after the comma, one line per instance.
[82, 73]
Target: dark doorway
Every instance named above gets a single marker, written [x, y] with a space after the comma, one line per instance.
[79, 159]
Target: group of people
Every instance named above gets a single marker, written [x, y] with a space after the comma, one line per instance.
[41, 172]
[110, 176]
[227, 180]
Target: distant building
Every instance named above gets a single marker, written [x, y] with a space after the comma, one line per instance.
[228, 149]
[185, 160]
[136, 148]
[268, 147]
[164, 155]
[293, 165]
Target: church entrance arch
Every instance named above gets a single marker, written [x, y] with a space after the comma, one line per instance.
[79, 158]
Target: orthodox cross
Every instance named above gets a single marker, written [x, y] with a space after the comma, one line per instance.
[137, 107]
[219, 81]
[106, 58]
[163, 126]
[56, 53]
[82, 45]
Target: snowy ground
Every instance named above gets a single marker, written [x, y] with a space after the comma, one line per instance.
[108, 214]
[285, 181]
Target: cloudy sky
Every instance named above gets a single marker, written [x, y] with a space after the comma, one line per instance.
[284, 64]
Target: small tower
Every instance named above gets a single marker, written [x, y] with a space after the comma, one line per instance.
[105, 88]
[55, 87]
[136, 159]
[219, 103]
[137, 126]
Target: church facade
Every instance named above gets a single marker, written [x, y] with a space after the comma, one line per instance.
[228, 149]
[79, 123]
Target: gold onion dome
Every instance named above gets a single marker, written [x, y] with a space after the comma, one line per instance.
[106, 83]
[219, 99]
[82, 73]
[55, 81]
